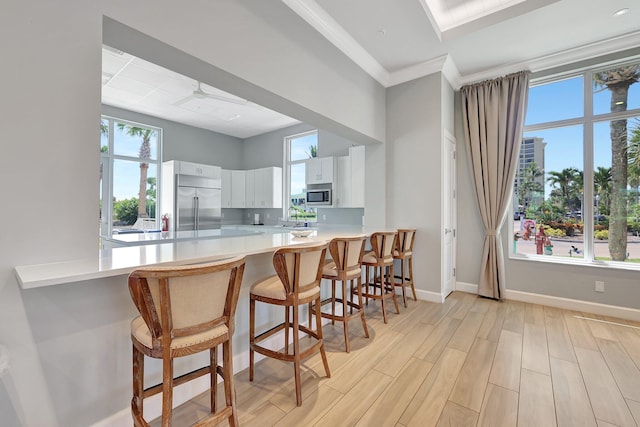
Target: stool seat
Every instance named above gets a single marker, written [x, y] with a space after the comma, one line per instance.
[272, 288]
[331, 270]
[141, 332]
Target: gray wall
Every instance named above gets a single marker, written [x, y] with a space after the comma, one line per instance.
[70, 349]
[414, 152]
[188, 143]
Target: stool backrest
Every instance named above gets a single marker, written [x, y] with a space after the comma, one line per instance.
[299, 267]
[347, 252]
[184, 300]
[383, 244]
[405, 240]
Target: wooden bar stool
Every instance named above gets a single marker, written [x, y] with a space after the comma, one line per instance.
[297, 282]
[185, 310]
[346, 267]
[380, 260]
[404, 253]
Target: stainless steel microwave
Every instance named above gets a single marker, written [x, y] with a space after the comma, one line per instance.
[319, 197]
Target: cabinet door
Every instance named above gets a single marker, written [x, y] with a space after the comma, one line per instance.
[326, 170]
[238, 189]
[250, 189]
[342, 188]
[226, 188]
[319, 170]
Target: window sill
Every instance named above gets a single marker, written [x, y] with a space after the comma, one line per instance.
[580, 262]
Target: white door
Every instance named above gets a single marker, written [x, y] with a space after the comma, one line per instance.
[449, 215]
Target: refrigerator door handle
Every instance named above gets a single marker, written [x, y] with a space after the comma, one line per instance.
[196, 215]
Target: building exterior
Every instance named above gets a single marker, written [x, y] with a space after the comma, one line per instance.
[531, 152]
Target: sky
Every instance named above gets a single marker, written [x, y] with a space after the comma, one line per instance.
[564, 100]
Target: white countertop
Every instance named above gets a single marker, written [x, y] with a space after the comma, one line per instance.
[123, 260]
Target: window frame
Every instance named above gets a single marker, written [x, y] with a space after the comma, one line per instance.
[587, 121]
[107, 161]
[287, 162]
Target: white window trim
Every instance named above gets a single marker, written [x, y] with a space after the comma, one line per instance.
[587, 121]
[109, 156]
[287, 169]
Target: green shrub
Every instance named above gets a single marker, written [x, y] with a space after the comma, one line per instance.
[126, 211]
[601, 234]
[554, 232]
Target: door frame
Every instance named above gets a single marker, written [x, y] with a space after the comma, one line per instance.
[449, 210]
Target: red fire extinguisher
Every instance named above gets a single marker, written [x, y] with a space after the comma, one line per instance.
[165, 222]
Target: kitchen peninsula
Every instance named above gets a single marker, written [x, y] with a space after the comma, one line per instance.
[123, 260]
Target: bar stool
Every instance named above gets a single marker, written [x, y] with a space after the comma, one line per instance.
[404, 253]
[297, 282]
[346, 267]
[185, 310]
[380, 260]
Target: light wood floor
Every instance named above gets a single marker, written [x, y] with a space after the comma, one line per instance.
[467, 362]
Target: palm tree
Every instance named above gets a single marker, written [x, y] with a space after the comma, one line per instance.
[144, 154]
[633, 153]
[602, 188]
[565, 181]
[529, 184]
[617, 81]
[313, 151]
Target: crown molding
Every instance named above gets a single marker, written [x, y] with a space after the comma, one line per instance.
[319, 19]
[558, 59]
[443, 63]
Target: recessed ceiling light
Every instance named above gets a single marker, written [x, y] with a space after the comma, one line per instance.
[621, 12]
[382, 31]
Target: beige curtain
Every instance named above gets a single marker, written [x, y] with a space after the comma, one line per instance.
[493, 115]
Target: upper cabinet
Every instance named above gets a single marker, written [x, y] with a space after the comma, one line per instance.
[264, 188]
[319, 170]
[349, 188]
[196, 169]
[233, 189]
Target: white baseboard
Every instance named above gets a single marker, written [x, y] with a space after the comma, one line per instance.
[560, 302]
[429, 296]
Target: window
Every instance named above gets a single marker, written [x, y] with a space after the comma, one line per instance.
[298, 148]
[129, 167]
[576, 188]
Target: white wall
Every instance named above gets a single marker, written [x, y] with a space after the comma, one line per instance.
[414, 153]
[69, 344]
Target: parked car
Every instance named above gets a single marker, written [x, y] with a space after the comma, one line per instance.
[518, 215]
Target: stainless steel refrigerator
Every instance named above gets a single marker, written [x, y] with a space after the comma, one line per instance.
[198, 203]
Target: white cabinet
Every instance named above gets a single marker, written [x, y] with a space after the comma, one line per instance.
[226, 188]
[319, 170]
[349, 186]
[238, 184]
[250, 189]
[264, 188]
[233, 189]
[196, 169]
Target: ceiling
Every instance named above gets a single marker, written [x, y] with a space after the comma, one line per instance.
[395, 41]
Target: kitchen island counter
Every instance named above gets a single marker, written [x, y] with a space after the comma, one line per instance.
[123, 260]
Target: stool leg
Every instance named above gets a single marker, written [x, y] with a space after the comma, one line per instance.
[252, 334]
[138, 384]
[404, 294]
[345, 320]
[323, 354]
[229, 388]
[366, 283]
[393, 294]
[296, 356]
[286, 330]
[382, 292]
[411, 278]
[213, 371]
[167, 390]
[333, 301]
[361, 307]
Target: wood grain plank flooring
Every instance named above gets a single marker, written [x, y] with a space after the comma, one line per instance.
[468, 362]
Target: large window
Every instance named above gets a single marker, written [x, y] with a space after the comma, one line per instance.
[298, 149]
[129, 166]
[576, 189]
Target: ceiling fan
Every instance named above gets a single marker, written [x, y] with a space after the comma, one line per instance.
[201, 94]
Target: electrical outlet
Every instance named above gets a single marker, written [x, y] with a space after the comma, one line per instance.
[249, 215]
[599, 286]
[324, 217]
[268, 216]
